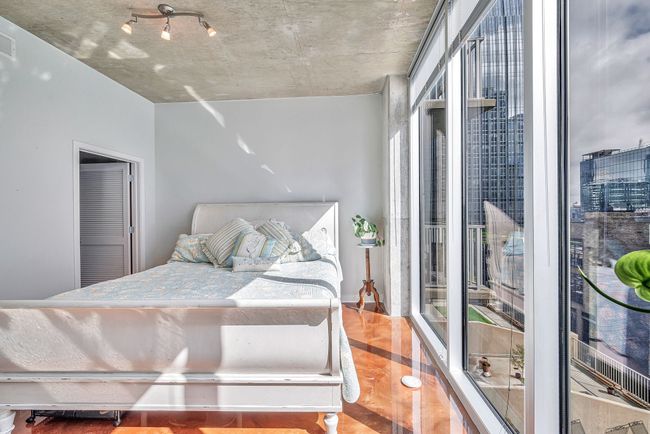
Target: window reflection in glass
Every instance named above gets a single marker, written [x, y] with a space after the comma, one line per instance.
[493, 159]
[433, 208]
[609, 193]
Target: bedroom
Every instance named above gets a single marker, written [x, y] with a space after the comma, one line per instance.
[184, 258]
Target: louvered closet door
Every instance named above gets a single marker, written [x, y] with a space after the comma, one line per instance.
[104, 212]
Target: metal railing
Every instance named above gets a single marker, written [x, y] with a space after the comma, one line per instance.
[628, 379]
[434, 251]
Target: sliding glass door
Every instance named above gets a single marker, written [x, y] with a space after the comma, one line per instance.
[493, 204]
[609, 204]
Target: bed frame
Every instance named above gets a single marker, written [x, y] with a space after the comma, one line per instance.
[217, 355]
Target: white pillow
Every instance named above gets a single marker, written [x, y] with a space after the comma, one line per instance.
[240, 263]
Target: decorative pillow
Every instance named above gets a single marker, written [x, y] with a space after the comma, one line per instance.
[305, 246]
[219, 246]
[189, 248]
[320, 241]
[240, 263]
[305, 251]
[251, 244]
[281, 233]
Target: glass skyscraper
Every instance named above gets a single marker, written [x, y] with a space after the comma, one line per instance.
[495, 130]
[613, 180]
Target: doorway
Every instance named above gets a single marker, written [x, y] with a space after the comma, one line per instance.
[107, 229]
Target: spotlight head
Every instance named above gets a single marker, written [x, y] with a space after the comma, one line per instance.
[209, 29]
[166, 32]
[126, 27]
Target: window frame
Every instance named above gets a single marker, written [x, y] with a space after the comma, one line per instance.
[437, 76]
[544, 211]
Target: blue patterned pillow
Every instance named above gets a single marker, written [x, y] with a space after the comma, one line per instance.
[189, 248]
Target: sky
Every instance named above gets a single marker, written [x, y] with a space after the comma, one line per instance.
[609, 78]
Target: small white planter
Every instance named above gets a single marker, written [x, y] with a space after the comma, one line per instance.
[369, 239]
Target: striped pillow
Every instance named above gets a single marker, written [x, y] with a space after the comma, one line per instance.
[279, 232]
[218, 248]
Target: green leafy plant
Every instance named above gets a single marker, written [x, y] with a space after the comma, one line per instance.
[633, 270]
[517, 358]
[366, 229]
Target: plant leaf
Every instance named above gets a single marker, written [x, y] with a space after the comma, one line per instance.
[633, 269]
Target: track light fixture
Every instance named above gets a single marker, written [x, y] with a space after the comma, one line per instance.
[166, 13]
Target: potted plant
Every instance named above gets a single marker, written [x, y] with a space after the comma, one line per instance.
[517, 360]
[485, 366]
[366, 231]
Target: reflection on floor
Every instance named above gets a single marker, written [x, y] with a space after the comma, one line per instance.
[384, 350]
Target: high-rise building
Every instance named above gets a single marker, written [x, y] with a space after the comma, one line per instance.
[495, 130]
[615, 180]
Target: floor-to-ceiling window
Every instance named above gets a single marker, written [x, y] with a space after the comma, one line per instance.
[429, 107]
[493, 165]
[433, 207]
[609, 202]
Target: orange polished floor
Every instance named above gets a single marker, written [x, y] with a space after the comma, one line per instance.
[384, 350]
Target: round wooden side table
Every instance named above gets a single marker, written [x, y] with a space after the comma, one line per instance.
[368, 287]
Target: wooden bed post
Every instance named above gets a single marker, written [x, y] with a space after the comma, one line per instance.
[7, 421]
[331, 421]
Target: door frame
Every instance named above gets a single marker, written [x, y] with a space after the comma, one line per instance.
[137, 204]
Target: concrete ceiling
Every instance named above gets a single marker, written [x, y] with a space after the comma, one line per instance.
[263, 48]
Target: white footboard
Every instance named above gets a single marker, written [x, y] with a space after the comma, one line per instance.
[243, 355]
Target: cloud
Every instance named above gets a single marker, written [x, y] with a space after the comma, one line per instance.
[609, 72]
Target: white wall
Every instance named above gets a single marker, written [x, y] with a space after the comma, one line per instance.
[298, 149]
[47, 100]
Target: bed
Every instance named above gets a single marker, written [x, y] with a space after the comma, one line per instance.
[186, 336]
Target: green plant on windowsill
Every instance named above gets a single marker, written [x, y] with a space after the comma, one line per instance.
[633, 270]
[366, 231]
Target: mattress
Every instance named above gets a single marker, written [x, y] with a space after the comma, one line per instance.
[191, 281]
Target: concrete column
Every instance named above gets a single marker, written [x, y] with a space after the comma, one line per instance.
[396, 195]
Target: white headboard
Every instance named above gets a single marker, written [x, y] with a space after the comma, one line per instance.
[300, 216]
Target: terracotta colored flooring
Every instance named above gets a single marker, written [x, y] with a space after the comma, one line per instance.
[384, 350]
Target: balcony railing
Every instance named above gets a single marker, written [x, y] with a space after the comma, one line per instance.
[629, 380]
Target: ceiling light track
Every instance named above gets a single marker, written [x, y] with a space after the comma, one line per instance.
[167, 13]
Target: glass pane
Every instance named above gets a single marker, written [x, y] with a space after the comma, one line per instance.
[493, 157]
[609, 192]
[433, 208]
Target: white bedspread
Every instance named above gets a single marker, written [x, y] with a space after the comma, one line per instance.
[187, 281]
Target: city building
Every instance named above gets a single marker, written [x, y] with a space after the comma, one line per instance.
[615, 180]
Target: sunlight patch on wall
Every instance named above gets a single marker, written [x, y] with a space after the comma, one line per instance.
[244, 147]
[215, 114]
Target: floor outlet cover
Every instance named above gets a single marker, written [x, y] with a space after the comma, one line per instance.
[412, 382]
